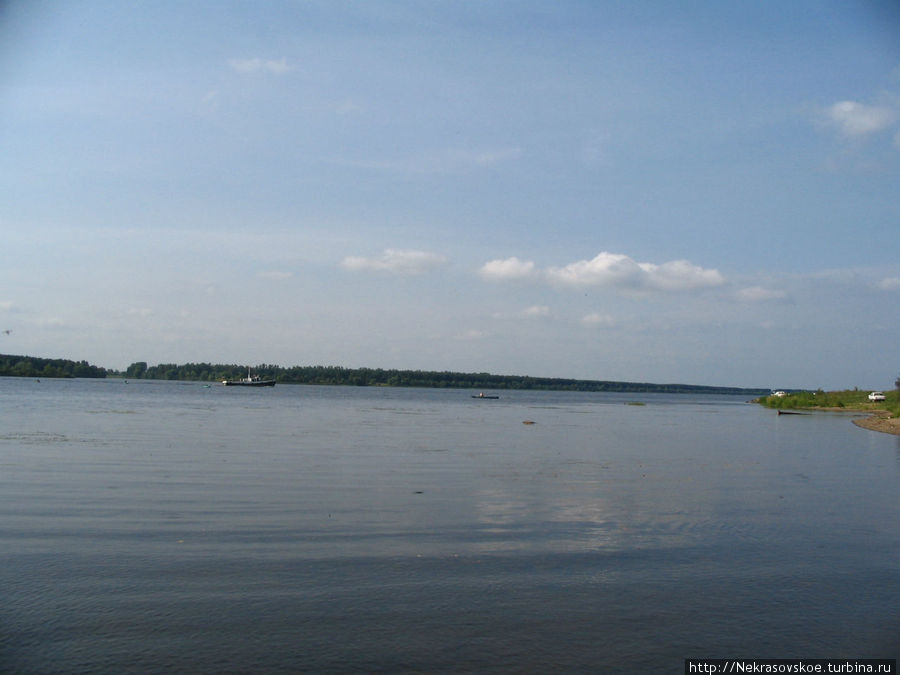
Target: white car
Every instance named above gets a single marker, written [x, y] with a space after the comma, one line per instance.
[876, 396]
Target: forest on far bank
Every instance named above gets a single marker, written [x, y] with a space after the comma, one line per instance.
[382, 377]
[33, 366]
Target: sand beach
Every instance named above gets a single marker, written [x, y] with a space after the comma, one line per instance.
[880, 421]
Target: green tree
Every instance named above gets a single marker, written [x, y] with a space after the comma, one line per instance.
[136, 370]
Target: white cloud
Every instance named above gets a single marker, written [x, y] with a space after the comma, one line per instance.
[597, 319]
[490, 156]
[680, 275]
[760, 294]
[394, 261]
[507, 270]
[275, 275]
[858, 119]
[594, 149]
[51, 322]
[257, 65]
[604, 270]
[441, 161]
[617, 270]
[346, 107]
[889, 284]
[6, 305]
[535, 312]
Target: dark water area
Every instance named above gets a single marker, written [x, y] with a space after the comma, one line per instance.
[156, 527]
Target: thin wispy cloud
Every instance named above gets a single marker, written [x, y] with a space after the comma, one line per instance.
[760, 294]
[598, 319]
[855, 120]
[439, 161]
[396, 261]
[889, 284]
[258, 65]
[488, 157]
[275, 275]
[535, 312]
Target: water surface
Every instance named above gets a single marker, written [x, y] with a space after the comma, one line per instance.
[163, 526]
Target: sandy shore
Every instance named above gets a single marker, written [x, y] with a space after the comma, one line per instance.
[880, 422]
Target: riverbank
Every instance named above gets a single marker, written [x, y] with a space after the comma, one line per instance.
[883, 416]
[880, 422]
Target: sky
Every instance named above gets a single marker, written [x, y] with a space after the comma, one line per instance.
[698, 192]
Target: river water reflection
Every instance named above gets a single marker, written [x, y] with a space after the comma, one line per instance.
[160, 526]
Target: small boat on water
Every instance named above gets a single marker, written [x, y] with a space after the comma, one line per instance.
[249, 381]
[482, 395]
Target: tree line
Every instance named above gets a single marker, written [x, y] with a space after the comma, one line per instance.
[33, 366]
[375, 377]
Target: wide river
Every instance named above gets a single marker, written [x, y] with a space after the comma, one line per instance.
[172, 527]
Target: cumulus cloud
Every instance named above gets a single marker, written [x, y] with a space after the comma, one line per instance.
[621, 271]
[257, 65]
[760, 294]
[680, 275]
[394, 261]
[889, 284]
[507, 270]
[854, 119]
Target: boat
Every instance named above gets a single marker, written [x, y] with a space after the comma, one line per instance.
[482, 395]
[249, 381]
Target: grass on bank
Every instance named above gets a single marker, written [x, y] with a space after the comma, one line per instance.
[850, 399]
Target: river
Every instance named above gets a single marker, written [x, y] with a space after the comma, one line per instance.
[158, 527]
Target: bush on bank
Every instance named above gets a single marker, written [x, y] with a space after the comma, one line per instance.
[850, 399]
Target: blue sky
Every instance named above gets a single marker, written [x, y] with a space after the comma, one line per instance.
[697, 192]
